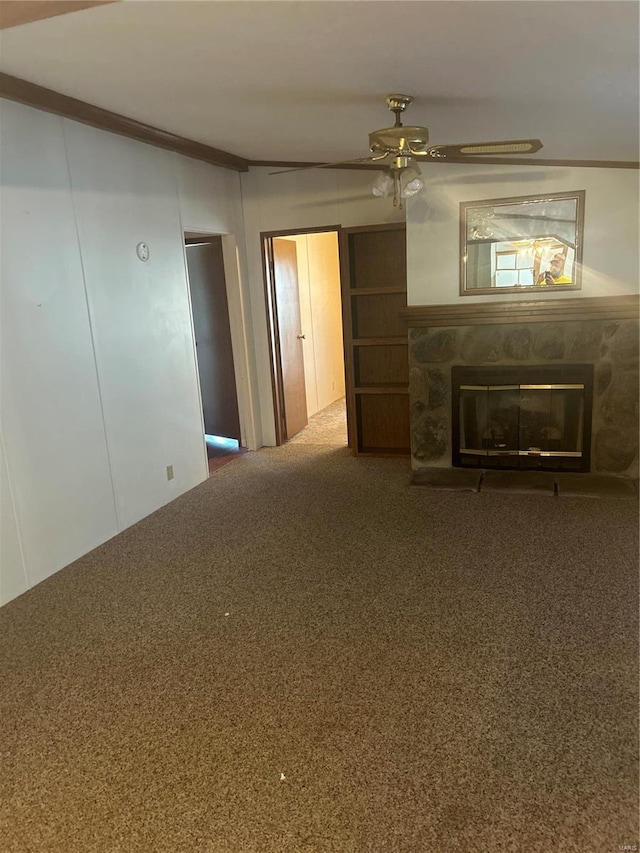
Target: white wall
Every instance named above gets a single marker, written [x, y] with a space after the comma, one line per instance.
[298, 200]
[99, 385]
[321, 318]
[13, 577]
[58, 475]
[610, 256]
[140, 318]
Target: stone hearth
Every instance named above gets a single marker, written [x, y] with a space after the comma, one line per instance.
[557, 484]
[610, 345]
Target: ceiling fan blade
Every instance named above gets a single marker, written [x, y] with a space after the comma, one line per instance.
[513, 146]
[359, 160]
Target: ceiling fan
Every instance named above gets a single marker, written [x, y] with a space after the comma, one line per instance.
[406, 145]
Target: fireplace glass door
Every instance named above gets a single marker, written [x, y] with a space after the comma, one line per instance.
[521, 425]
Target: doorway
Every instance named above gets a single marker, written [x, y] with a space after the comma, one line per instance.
[212, 333]
[375, 361]
[304, 304]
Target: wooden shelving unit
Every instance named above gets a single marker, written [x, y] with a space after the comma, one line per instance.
[374, 281]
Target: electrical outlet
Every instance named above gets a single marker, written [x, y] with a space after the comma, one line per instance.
[169, 472]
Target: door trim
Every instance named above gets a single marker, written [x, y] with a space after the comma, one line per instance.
[222, 349]
[273, 331]
[235, 301]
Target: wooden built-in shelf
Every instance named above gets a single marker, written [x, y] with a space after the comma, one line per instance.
[384, 451]
[383, 389]
[375, 291]
[377, 342]
[374, 276]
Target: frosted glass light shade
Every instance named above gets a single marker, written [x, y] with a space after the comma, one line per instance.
[383, 186]
[399, 183]
[411, 181]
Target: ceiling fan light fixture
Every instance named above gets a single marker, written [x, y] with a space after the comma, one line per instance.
[411, 181]
[383, 185]
[412, 187]
[402, 181]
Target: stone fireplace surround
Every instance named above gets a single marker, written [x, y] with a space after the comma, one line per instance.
[602, 331]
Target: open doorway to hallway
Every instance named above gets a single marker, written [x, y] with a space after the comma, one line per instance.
[212, 333]
[305, 312]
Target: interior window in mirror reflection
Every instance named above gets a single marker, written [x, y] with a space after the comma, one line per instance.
[521, 243]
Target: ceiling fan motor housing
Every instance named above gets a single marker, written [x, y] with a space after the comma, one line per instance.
[399, 140]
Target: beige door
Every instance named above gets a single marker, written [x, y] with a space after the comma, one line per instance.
[291, 341]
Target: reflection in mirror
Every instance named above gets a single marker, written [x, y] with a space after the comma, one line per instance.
[515, 244]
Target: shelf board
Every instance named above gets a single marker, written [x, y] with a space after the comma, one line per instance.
[375, 291]
[381, 342]
[382, 389]
[384, 451]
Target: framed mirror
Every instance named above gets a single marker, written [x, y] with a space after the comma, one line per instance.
[530, 243]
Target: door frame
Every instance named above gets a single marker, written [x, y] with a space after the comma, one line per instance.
[273, 330]
[193, 241]
[233, 281]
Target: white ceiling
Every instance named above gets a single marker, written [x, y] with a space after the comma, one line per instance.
[306, 80]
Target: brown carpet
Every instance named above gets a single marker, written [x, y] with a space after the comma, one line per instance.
[305, 654]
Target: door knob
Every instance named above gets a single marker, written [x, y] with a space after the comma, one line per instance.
[302, 338]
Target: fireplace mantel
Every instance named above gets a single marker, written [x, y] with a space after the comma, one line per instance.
[533, 311]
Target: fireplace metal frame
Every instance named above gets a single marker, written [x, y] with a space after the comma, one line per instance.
[523, 377]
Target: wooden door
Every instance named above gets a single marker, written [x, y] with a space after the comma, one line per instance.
[213, 338]
[285, 275]
[374, 292]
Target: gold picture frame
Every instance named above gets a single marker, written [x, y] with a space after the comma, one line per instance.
[522, 244]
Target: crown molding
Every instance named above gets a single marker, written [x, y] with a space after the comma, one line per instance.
[534, 311]
[32, 95]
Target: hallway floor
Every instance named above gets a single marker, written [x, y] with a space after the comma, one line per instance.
[221, 451]
[327, 428]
